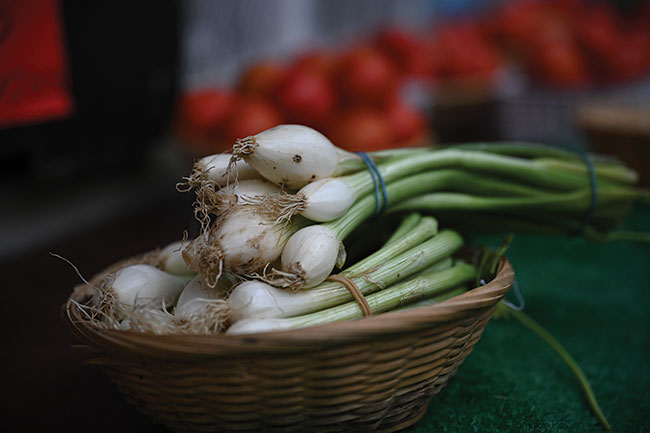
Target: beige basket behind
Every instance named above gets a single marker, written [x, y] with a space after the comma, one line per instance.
[373, 374]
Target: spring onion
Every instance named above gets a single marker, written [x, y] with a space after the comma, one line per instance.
[421, 286]
[170, 259]
[201, 308]
[292, 155]
[251, 188]
[305, 274]
[242, 241]
[330, 198]
[217, 202]
[215, 168]
[556, 158]
[408, 223]
[385, 267]
[574, 202]
[143, 284]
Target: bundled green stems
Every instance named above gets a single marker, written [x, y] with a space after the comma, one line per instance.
[414, 264]
[419, 250]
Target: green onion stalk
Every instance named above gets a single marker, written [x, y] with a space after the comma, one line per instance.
[329, 198]
[403, 293]
[536, 328]
[311, 253]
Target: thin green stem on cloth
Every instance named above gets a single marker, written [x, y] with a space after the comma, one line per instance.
[546, 336]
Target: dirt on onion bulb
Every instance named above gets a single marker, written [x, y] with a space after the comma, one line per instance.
[292, 155]
[242, 241]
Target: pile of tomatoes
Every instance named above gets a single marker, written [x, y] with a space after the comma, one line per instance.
[574, 43]
[352, 97]
[353, 94]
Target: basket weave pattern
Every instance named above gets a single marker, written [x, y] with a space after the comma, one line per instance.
[373, 374]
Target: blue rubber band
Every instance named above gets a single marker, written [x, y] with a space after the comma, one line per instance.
[518, 295]
[382, 184]
[517, 291]
[381, 196]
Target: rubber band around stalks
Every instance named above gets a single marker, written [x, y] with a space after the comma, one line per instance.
[381, 195]
[354, 291]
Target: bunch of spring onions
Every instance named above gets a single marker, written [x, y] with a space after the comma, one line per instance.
[294, 238]
[276, 213]
[291, 238]
[164, 296]
[157, 294]
[277, 210]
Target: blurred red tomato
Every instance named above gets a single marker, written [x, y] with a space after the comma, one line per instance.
[306, 96]
[522, 24]
[366, 75]
[202, 114]
[559, 63]
[260, 79]
[597, 30]
[516, 19]
[360, 129]
[317, 61]
[431, 57]
[405, 122]
[465, 52]
[249, 117]
[551, 53]
[408, 52]
[631, 59]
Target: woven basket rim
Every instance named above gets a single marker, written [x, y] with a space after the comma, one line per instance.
[136, 345]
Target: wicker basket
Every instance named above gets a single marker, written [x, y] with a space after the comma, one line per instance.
[373, 374]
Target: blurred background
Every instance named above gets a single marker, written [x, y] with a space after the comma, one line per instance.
[105, 105]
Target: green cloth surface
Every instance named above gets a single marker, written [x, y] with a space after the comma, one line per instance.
[593, 298]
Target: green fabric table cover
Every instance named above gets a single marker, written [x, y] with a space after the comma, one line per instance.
[594, 298]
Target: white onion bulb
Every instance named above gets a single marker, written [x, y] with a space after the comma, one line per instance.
[197, 297]
[310, 255]
[171, 259]
[325, 199]
[251, 188]
[291, 155]
[216, 169]
[146, 285]
[242, 242]
[260, 300]
[248, 241]
[257, 326]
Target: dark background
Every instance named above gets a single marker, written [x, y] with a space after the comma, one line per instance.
[93, 188]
